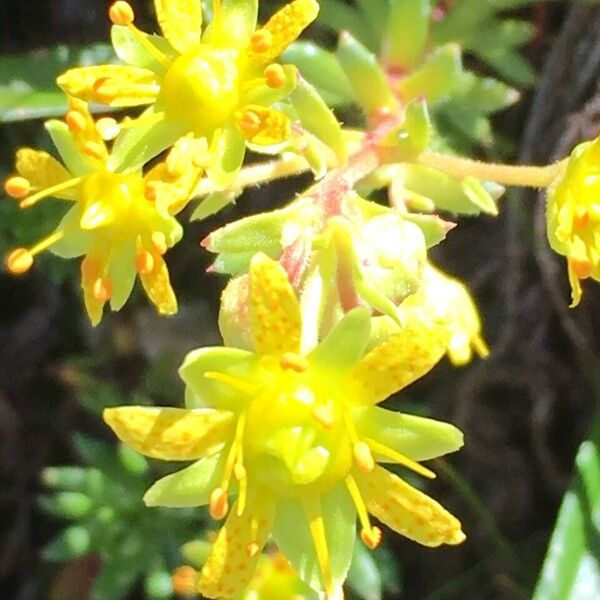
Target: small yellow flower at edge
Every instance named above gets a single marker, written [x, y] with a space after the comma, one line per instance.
[573, 216]
[296, 438]
[120, 220]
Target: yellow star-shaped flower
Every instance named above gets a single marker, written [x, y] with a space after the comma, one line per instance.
[296, 435]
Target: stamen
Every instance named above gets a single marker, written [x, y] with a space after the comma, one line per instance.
[59, 187]
[252, 548]
[94, 149]
[261, 40]
[19, 261]
[237, 384]
[363, 457]
[142, 121]
[581, 267]
[400, 458]
[323, 413]
[121, 13]
[76, 121]
[102, 289]
[370, 535]
[294, 362]
[104, 90]
[150, 191]
[218, 505]
[581, 217]
[159, 241]
[17, 187]
[144, 262]
[317, 530]
[239, 472]
[249, 122]
[275, 75]
[107, 128]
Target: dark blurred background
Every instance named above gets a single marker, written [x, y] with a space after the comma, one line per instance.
[524, 410]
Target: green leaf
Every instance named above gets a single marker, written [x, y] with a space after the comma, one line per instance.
[213, 203]
[408, 28]
[27, 87]
[71, 543]
[572, 566]
[337, 15]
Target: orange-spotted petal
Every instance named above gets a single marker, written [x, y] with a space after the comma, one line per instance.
[399, 361]
[282, 29]
[274, 312]
[407, 510]
[180, 22]
[236, 550]
[42, 170]
[157, 284]
[84, 133]
[170, 433]
[115, 85]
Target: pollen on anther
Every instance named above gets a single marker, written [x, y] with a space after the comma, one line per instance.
[218, 505]
[371, 537]
[93, 149]
[121, 13]
[261, 40]
[19, 261]
[144, 262]
[252, 549]
[17, 187]
[76, 121]
[294, 362]
[275, 75]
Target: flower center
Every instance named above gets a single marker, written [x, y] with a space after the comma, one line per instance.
[201, 88]
[296, 436]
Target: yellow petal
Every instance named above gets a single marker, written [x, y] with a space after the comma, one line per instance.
[263, 126]
[231, 564]
[170, 433]
[576, 291]
[282, 29]
[274, 310]
[91, 269]
[158, 286]
[115, 85]
[180, 21]
[42, 170]
[399, 361]
[82, 128]
[407, 510]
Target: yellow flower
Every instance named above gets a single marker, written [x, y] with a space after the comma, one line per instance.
[448, 300]
[296, 436]
[573, 216]
[218, 83]
[120, 220]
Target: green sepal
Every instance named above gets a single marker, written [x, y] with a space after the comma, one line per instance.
[213, 203]
[75, 241]
[291, 533]
[418, 438]
[74, 160]
[407, 31]
[227, 149]
[234, 24]
[129, 49]
[412, 137]
[122, 273]
[466, 196]
[433, 227]
[346, 342]
[208, 392]
[236, 263]
[436, 78]
[322, 69]
[317, 118]
[364, 578]
[365, 75]
[190, 486]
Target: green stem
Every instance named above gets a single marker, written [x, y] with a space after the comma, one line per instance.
[518, 175]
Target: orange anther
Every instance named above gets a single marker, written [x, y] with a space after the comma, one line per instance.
[104, 90]
[159, 241]
[294, 362]
[184, 580]
[249, 122]
[363, 457]
[102, 289]
[581, 267]
[275, 75]
[218, 505]
[19, 261]
[144, 262]
[252, 549]
[76, 121]
[121, 13]
[371, 537]
[17, 187]
[150, 191]
[261, 40]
